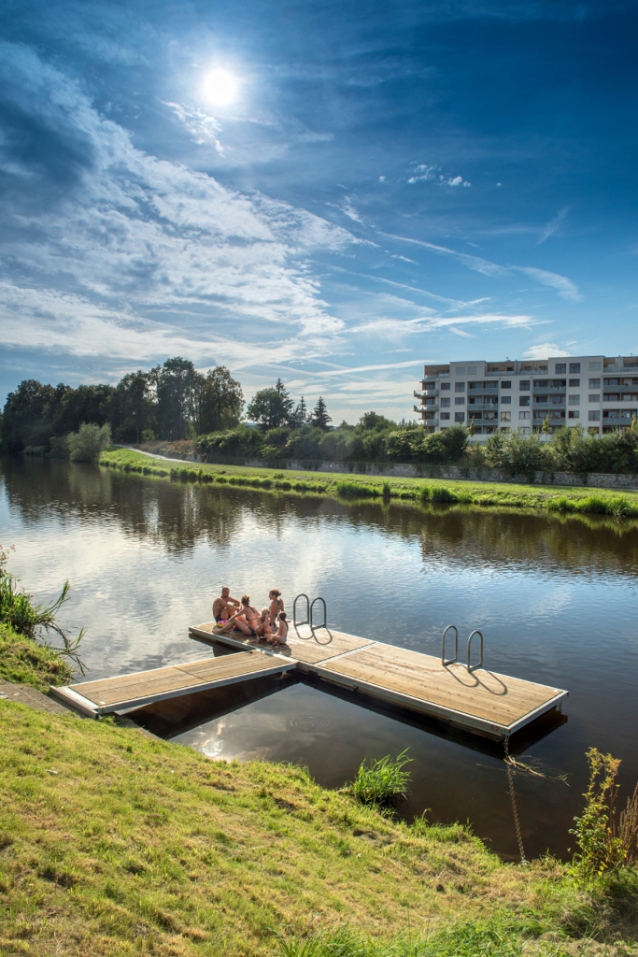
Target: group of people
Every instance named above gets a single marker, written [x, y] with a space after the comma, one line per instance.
[270, 625]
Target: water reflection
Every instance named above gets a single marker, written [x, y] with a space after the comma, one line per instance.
[555, 599]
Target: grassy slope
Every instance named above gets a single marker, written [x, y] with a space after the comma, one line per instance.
[484, 494]
[115, 844]
[26, 662]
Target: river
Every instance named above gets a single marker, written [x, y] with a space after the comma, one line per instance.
[555, 598]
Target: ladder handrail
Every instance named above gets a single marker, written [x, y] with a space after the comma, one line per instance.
[445, 662]
[471, 668]
[325, 613]
[296, 623]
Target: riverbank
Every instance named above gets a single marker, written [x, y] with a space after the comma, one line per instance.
[415, 491]
[29, 663]
[113, 843]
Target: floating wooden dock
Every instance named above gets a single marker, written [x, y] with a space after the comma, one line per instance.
[479, 701]
[95, 698]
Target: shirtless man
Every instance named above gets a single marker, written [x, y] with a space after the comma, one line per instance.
[247, 618]
[225, 607]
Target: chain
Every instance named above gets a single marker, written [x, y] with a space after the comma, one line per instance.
[517, 823]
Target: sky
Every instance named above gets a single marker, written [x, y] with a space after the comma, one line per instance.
[330, 193]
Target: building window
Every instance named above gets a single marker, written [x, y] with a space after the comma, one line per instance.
[460, 370]
[574, 400]
[459, 401]
[445, 387]
[523, 400]
[574, 383]
[594, 383]
[459, 416]
[506, 400]
[574, 367]
[523, 415]
[560, 368]
[524, 385]
[471, 370]
[459, 387]
[506, 384]
[541, 383]
[445, 403]
[595, 397]
[594, 366]
[444, 415]
[573, 415]
[594, 415]
[506, 416]
[525, 430]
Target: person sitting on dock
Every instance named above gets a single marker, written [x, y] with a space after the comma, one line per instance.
[246, 619]
[281, 636]
[276, 604]
[264, 628]
[225, 607]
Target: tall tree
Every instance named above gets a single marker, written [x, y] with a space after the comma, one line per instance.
[177, 384]
[300, 416]
[222, 401]
[133, 407]
[287, 403]
[320, 417]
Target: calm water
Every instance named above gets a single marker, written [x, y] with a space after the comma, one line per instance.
[556, 600]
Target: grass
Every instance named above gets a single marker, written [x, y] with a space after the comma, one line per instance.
[383, 782]
[112, 843]
[25, 661]
[418, 492]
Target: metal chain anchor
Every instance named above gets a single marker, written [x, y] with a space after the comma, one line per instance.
[517, 823]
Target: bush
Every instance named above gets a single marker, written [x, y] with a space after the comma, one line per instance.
[86, 444]
[382, 783]
[357, 489]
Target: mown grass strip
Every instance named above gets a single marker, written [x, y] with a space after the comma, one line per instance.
[416, 491]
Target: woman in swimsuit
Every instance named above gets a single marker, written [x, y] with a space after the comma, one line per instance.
[246, 618]
[276, 604]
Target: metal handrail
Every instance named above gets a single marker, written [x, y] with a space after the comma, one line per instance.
[325, 619]
[445, 662]
[471, 668]
[296, 623]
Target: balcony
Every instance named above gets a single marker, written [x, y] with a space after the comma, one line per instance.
[546, 402]
[490, 387]
[479, 406]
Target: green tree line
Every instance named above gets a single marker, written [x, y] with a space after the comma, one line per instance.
[172, 401]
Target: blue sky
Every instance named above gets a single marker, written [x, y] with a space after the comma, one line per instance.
[330, 193]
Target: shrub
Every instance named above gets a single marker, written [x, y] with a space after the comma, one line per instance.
[383, 782]
[356, 489]
[86, 444]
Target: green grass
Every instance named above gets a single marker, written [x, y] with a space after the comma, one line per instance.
[114, 844]
[25, 661]
[382, 783]
[418, 492]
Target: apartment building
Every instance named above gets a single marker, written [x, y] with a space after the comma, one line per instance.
[597, 392]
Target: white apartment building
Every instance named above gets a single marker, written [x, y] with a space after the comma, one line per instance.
[597, 392]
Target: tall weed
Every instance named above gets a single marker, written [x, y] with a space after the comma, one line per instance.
[383, 782]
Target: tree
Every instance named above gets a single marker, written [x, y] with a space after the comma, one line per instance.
[25, 413]
[222, 402]
[178, 387]
[320, 417]
[270, 408]
[132, 407]
[300, 416]
[372, 420]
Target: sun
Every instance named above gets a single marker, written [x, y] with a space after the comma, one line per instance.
[220, 87]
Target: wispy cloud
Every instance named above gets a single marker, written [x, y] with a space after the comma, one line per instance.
[391, 328]
[553, 225]
[565, 288]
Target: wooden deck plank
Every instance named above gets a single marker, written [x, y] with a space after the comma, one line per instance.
[162, 681]
[311, 650]
[482, 694]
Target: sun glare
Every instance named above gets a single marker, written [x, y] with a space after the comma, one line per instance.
[220, 87]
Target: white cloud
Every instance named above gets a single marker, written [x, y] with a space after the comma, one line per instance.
[565, 288]
[553, 225]
[544, 350]
[391, 328]
[202, 127]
